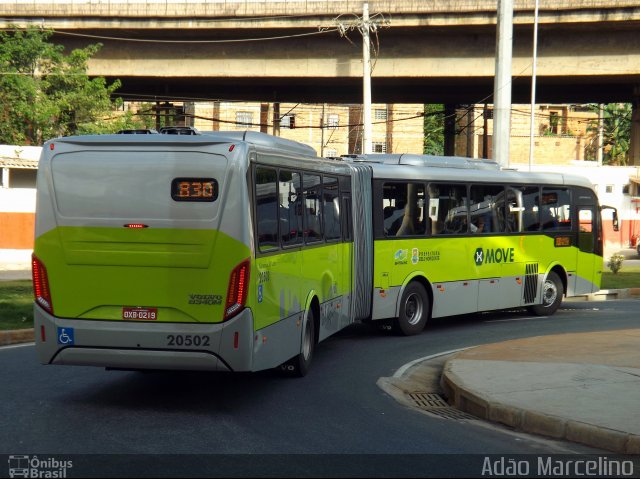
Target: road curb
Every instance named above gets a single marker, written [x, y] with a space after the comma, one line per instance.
[419, 376]
[605, 295]
[16, 336]
[530, 421]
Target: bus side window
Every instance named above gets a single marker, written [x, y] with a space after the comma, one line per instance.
[404, 210]
[267, 208]
[513, 210]
[487, 209]
[290, 208]
[586, 220]
[394, 202]
[448, 208]
[347, 223]
[530, 206]
[555, 209]
[331, 208]
[312, 207]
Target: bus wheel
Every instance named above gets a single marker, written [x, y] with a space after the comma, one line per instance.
[552, 291]
[414, 310]
[299, 365]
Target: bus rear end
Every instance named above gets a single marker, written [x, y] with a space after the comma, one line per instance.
[142, 253]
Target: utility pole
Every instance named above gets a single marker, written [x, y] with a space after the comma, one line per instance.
[322, 132]
[533, 85]
[485, 134]
[502, 83]
[367, 145]
[364, 25]
[276, 118]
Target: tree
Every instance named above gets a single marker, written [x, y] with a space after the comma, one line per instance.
[616, 134]
[45, 93]
[434, 129]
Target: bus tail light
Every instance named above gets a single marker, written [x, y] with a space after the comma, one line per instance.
[41, 291]
[238, 289]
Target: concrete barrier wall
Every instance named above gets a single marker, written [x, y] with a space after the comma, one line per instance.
[225, 8]
[17, 218]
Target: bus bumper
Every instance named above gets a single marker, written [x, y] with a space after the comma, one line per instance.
[224, 346]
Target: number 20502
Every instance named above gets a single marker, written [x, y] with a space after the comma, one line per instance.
[187, 340]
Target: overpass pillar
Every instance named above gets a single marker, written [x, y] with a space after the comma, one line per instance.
[634, 146]
[276, 119]
[264, 117]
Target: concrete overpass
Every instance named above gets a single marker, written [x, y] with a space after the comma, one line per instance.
[427, 50]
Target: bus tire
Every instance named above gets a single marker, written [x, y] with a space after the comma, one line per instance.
[552, 292]
[299, 365]
[414, 310]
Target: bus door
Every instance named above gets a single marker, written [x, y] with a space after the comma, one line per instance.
[589, 264]
[589, 261]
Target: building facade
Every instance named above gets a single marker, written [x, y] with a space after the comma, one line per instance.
[331, 129]
[563, 139]
[562, 133]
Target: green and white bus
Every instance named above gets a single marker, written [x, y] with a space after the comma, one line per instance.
[239, 251]
[456, 235]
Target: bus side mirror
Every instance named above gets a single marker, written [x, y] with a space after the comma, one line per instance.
[614, 214]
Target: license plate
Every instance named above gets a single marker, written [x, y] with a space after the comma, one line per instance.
[148, 314]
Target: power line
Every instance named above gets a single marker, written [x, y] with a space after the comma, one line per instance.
[266, 125]
[233, 40]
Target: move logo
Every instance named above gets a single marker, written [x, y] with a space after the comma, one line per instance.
[493, 255]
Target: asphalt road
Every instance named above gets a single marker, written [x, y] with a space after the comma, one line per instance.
[334, 419]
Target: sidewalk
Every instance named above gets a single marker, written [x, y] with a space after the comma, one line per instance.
[581, 387]
[15, 264]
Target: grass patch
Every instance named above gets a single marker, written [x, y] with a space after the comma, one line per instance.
[627, 277]
[16, 297]
[16, 305]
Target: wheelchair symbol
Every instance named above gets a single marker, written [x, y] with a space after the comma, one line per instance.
[65, 336]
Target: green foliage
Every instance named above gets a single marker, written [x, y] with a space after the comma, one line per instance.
[615, 263]
[616, 134]
[45, 93]
[434, 129]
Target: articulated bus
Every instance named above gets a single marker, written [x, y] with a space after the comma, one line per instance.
[239, 251]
